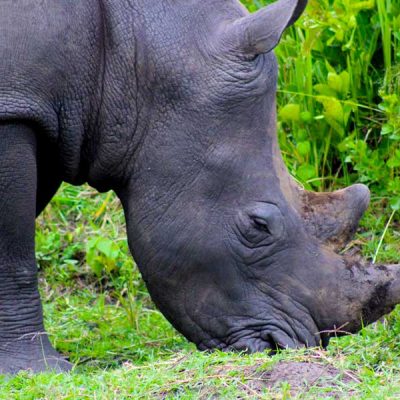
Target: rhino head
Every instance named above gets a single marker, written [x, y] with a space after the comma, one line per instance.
[234, 253]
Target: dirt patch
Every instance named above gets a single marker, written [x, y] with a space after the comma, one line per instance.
[301, 377]
[308, 377]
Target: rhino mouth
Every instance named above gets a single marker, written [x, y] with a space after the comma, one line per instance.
[272, 338]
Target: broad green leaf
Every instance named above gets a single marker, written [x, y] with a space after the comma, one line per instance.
[301, 135]
[387, 129]
[345, 78]
[333, 112]
[395, 203]
[290, 112]
[393, 162]
[362, 5]
[325, 90]
[306, 116]
[335, 82]
[306, 172]
[304, 148]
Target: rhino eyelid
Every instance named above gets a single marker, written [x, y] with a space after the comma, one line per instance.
[262, 225]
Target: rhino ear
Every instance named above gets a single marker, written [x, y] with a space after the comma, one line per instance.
[259, 33]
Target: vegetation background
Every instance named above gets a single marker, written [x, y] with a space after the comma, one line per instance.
[339, 123]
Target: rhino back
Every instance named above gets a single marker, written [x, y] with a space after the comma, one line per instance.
[50, 61]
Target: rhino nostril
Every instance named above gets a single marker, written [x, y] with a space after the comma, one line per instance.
[325, 338]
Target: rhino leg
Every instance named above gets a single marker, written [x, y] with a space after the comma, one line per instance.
[24, 344]
[49, 175]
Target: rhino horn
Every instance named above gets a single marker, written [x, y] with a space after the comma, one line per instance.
[374, 291]
[334, 217]
[393, 293]
[331, 217]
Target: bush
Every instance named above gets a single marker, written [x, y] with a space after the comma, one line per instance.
[338, 95]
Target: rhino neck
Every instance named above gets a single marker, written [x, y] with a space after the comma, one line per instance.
[149, 59]
[121, 121]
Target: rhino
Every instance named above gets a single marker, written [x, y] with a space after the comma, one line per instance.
[172, 105]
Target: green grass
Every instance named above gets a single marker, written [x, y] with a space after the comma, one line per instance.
[339, 123]
[128, 350]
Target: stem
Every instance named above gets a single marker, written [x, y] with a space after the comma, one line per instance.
[383, 236]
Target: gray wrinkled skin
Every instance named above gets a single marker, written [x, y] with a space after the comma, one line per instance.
[171, 104]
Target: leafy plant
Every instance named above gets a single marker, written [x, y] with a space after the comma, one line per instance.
[338, 97]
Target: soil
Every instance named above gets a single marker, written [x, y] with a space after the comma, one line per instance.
[301, 377]
[285, 380]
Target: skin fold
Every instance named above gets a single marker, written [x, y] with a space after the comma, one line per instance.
[171, 104]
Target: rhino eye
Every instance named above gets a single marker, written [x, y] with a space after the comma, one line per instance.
[261, 225]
